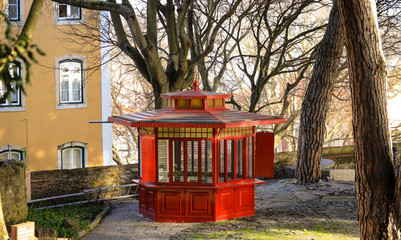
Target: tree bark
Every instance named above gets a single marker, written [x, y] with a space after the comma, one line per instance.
[316, 101]
[3, 229]
[375, 181]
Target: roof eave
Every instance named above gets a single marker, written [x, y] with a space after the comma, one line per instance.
[196, 125]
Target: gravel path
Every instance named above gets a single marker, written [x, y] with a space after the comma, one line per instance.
[284, 210]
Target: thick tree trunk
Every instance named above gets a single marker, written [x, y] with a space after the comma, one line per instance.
[375, 180]
[316, 101]
[255, 96]
[3, 229]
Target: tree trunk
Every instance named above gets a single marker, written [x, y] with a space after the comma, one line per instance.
[375, 181]
[3, 229]
[316, 101]
[116, 155]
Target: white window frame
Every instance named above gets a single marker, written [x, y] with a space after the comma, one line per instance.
[71, 67]
[13, 149]
[20, 12]
[67, 20]
[72, 145]
[70, 104]
[20, 106]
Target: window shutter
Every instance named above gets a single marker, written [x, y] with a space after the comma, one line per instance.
[66, 156]
[77, 158]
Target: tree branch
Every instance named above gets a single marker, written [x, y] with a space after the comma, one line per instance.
[213, 35]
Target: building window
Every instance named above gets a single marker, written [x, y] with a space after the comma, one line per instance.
[65, 14]
[11, 152]
[72, 158]
[73, 155]
[13, 10]
[68, 12]
[15, 100]
[70, 82]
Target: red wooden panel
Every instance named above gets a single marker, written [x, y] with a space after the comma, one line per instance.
[245, 199]
[142, 198]
[171, 203]
[148, 163]
[264, 162]
[146, 203]
[199, 202]
[151, 201]
[225, 204]
[226, 201]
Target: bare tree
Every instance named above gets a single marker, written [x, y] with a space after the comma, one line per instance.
[375, 181]
[316, 102]
[276, 46]
[171, 19]
[129, 93]
[313, 120]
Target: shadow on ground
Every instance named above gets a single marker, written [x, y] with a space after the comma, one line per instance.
[285, 210]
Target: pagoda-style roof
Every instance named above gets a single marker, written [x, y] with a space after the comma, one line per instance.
[194, 94]
[211, 118]
[197, 109]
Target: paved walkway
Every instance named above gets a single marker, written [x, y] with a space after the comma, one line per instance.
[124, 222]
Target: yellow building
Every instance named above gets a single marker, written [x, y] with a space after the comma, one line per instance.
[49, 127]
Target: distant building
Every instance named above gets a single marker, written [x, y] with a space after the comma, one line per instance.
[49, 127]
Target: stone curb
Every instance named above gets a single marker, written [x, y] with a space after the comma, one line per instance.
[95, 222]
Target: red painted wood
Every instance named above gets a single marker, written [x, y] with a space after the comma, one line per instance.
[147, 203]
[171, 203]
[190, 201]
[198, 118]
[148, 163]
[199, 203]
[225, 203]
[202, 204]
[264, 162]
[245, 199]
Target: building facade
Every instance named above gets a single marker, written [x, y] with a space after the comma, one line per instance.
[49, 126]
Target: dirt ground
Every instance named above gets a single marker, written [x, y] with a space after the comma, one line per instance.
[284, 210]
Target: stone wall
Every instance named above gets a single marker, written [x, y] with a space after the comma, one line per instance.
[342, 156]
[13, 190]
[60, 182]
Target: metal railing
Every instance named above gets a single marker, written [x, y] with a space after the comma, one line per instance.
[87, 196]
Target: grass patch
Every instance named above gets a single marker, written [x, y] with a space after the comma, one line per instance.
[207, 236]
[267, 229]
[53, 217]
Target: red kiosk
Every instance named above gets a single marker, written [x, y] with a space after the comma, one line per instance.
[197, 158]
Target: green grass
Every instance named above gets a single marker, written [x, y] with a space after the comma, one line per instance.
[272, 230]
[53, 217]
